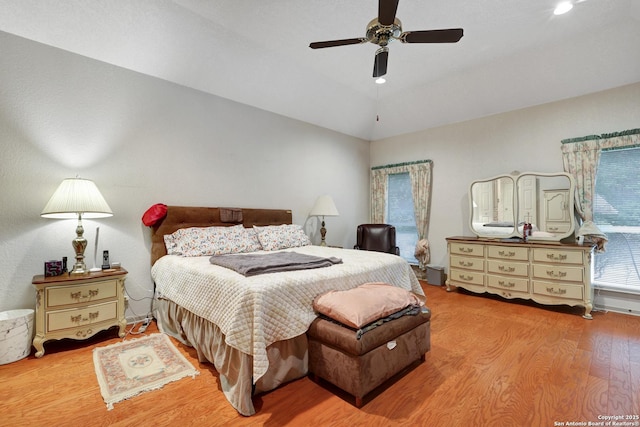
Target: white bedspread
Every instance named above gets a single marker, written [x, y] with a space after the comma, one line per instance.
[254, 312]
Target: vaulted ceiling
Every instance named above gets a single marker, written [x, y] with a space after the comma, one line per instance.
[514, 53]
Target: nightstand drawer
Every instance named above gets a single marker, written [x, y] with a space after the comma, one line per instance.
[468, 249]
[469, 263]
[508, 253]
[558, 272]
[559, 290]
[58, 296]
[72, 318]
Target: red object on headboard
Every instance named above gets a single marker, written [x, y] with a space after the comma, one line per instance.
[154, 214]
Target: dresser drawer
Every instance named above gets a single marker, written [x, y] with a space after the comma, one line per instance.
[562, 256]
[558, 227]
[519, 284]
[509, 253]
[558, 272]
[558, 290]
[81, 294]
[466, 276]
[72, 318]
[469, 263]
[509, 268]
[468, 249]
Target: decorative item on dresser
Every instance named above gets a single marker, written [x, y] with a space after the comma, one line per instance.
[547, 273]
[78, 306]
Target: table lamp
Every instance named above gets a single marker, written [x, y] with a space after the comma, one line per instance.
[77, 197]
[324, 207]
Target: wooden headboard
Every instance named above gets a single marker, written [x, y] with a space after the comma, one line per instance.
[187, 216]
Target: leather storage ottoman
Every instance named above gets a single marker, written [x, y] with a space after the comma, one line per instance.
[358, 366]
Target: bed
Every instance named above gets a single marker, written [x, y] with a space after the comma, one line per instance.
[252, 328]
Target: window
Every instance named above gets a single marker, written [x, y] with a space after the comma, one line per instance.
[616, 211]
[400, 214]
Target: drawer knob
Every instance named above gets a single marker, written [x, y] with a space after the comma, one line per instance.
[465, 263]
[507, 254]
[557, 257]
[464, 277]
[506, 284]
[556, 274]
[560, 291]
[78, 295]
[507, 269]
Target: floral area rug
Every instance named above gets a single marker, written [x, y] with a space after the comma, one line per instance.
[129, 368]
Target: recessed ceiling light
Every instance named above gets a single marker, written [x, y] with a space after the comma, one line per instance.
[563, 8]
[380, 80]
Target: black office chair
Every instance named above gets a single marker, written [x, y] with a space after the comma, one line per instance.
[377, 237]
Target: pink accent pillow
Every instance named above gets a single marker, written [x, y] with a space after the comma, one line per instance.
[367, 303]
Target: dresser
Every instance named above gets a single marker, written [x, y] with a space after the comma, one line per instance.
[79, 306]
[547, 273]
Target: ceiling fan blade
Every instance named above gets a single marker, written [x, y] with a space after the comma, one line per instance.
[334, 43]
[387, 11]
[432, 36]
[380, 63]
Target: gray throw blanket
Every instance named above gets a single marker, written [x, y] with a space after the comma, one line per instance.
[253, 264]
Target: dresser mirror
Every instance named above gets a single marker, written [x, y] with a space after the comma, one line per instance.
[501, 205]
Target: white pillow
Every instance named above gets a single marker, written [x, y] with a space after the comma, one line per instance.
[204, 241]
[274, 237]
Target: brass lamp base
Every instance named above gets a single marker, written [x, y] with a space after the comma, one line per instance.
[323, 233]
[79, 245]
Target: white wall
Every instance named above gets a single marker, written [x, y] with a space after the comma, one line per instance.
[145, 141]
[523, 140]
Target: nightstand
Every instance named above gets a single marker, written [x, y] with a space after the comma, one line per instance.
[78, 307]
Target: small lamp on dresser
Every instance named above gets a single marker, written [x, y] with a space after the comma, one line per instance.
[324, 207]
[77, 198]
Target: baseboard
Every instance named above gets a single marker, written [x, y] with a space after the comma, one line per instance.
[618, 302]
[138, 319]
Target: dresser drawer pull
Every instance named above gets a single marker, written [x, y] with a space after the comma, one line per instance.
[92, 316]
[559, 274]
[507, 254]
[466, 250]
[560, 291]
[78, 295]
[506, 284]
[507, 269]
[463, 277]
[554, 257]
[465, 263]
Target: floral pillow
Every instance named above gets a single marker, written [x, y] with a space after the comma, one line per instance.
[204, 241]
[274, 237]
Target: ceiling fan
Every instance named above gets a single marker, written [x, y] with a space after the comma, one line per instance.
[386, 28]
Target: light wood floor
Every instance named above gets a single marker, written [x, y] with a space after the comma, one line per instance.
[492, 363]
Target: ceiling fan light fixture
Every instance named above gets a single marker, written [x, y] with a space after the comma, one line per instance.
[381, 80]
[563, 8]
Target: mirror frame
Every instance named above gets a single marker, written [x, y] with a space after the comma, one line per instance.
[515, 232]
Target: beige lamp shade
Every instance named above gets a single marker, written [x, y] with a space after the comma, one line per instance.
[76, 196]
[324, 207]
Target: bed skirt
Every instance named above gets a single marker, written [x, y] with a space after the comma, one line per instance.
[288, 359]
